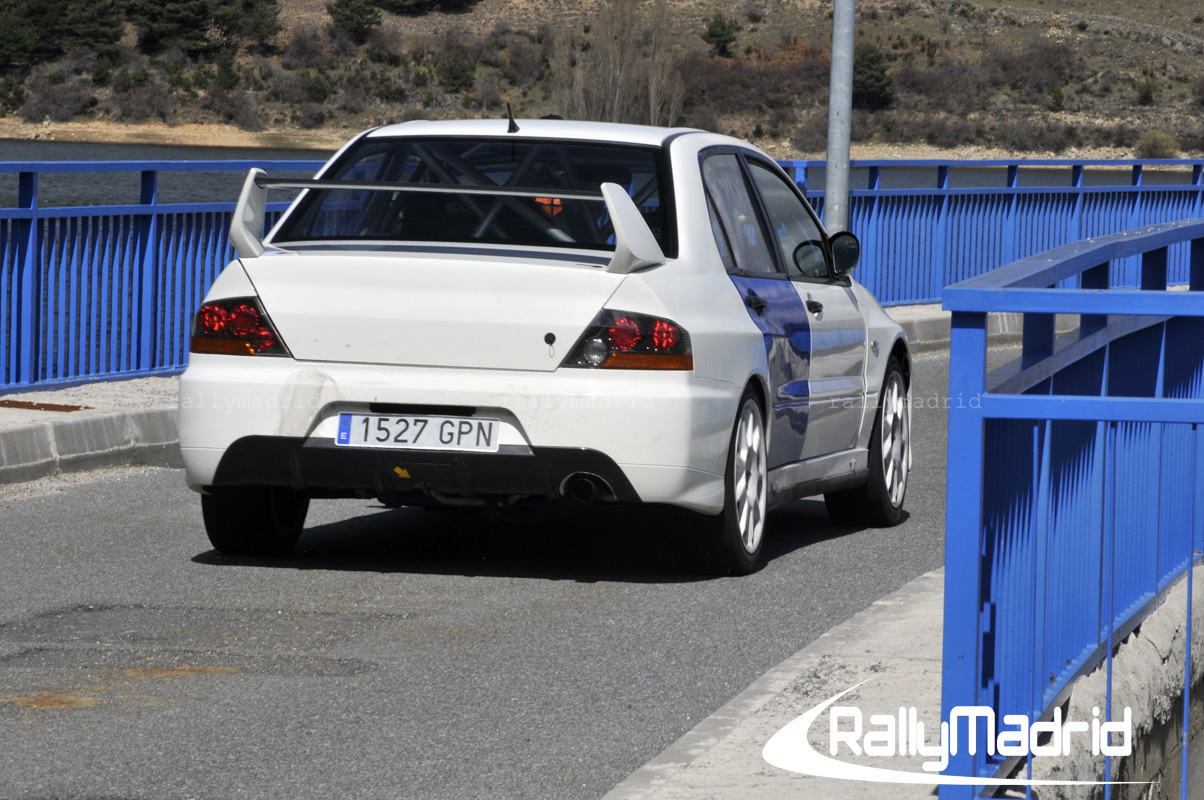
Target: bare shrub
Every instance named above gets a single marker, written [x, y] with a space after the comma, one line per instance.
[488, 91]
[1028, 135]
[56, 101]
[459, 39]
[526, 63]
[385, 46]
[351, 100]
[795, 76]
[1039, 66]
[306, 46]
[235, 107]
[285, 87]
[150, 101]
[310, 115]
[627, 73]
[1157, 144]
[811, 135]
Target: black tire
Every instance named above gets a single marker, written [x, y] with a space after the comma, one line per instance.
[879, 502]
[737, 534]
[254, 520]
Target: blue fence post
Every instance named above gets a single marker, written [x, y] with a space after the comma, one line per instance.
[29, 279]
[876, 277]
[963, 529]
[1095, 278]
[1108, 575]
[1010, 233]
[1196, 269]
[148, 269]
[1197, 182]
[1153, 270]
[798, 173]
[942, 247]
[1076, 217]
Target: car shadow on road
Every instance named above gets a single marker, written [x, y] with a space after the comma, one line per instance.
[603, 542]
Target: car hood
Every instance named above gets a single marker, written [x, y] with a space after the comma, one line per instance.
[432, 308]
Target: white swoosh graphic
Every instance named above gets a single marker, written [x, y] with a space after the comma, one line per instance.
[789, 749]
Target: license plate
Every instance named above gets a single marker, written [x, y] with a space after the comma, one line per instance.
[409, 432]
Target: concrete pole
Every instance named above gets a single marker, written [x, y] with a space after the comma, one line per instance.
[840, 119]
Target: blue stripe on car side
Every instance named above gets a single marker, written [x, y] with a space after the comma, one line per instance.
[787, 332]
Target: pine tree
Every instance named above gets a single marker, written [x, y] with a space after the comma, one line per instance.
[872, 85]
[17, 35]
[721, 33]
[261, 23]
[159, 22]
[94, 24]
[356, 18]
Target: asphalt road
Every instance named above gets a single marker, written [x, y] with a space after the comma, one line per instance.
[400, 653]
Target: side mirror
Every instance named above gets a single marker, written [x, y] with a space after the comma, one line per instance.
[846, 252]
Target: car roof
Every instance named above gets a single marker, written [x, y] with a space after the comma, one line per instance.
[610, 132]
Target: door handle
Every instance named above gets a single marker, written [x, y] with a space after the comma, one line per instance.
[815, 307]
[758, 304]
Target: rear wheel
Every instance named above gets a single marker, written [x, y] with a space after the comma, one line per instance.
[879, 503]
[738, 532]
[254, 520]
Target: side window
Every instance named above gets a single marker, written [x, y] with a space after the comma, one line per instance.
[799, 236]
[725, 252]
[725, 184]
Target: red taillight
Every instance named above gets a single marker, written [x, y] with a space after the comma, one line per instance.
[211, 319]
[625, 340]
[244, 321]
[235, 327]
[624, 335]
[665, 335]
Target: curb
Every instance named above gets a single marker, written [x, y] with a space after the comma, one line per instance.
[147, 437]
[932, 332]
[704, 736]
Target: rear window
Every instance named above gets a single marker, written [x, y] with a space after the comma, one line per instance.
[526, 218]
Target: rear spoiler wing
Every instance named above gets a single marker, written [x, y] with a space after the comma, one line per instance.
[635, 246]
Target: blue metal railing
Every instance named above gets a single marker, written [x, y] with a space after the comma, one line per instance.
[107, 291]
[917, 240]
[1075, 474]
[90, 292]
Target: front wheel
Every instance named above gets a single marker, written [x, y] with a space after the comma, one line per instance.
[737, 533]
[879, 503]
[254, 520]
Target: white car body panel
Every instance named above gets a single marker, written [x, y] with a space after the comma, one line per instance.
[430, 308]
[464, 326]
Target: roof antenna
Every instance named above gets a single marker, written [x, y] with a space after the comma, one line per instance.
[510, 116]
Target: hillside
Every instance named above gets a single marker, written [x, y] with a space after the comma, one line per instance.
[1034, 77]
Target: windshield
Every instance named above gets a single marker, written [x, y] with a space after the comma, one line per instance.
[525, 217]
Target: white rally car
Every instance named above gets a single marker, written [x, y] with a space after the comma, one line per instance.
[475, 312]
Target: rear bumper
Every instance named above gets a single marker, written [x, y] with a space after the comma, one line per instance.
[327, 469]
[664, 433]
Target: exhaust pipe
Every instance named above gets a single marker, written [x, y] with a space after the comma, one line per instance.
[586, 488]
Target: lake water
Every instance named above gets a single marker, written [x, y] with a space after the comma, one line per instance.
[109, 188]
[199, 187]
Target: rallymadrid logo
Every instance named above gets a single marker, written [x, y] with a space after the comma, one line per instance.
[889, 735]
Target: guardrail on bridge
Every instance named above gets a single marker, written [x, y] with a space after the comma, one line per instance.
[93, 292]
[975, 216]
[1076, 479]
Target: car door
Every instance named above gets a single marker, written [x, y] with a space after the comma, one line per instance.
[838, 333]
[771, 299]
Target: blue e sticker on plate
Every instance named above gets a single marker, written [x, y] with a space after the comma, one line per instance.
[344, 429]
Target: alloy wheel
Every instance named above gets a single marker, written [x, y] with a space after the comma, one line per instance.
[751, 479]
[896, 435]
